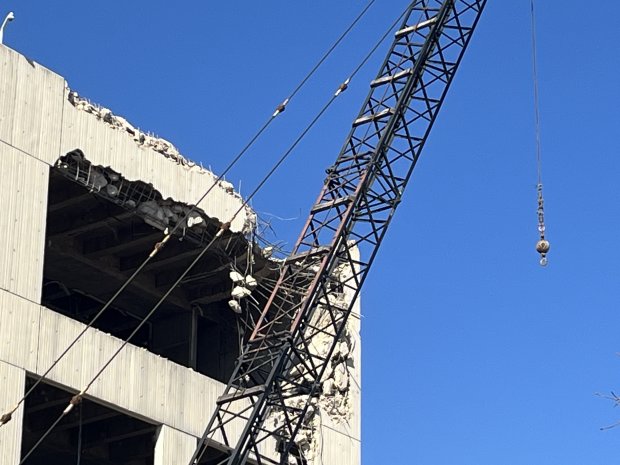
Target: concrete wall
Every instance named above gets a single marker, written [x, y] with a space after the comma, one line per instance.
[173, 447]
[13, 383]
[340, 438]
[23, 201]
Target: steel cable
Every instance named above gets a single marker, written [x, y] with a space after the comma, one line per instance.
[78, 397]
[536, 94]
[204, 441]
[6, 417]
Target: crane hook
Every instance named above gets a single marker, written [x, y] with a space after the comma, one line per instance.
[543, 245]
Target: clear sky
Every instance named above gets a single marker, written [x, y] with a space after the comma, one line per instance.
[472, 353]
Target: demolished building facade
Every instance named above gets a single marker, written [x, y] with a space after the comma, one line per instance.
[86, 196]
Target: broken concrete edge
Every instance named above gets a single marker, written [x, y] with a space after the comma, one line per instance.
[140, 197]
[174, 219]
[141, 138]
[145, 201]
[98, 177]
[144, 139]
[337, 399]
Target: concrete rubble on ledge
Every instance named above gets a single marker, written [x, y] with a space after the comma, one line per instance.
[141, 138]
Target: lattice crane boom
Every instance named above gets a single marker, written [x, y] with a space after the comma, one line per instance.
[354, 209]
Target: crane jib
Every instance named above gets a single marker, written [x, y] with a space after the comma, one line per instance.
[343, 231]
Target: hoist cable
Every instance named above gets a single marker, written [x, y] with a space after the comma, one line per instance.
[536, 93]
[6, 417]
[542, 246]
[79, 441]
[205, 439]
[78, 397]
[331, 49]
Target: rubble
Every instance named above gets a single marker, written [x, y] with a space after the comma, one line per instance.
[242, 288]
[336, 398]
[234, 306]
[141, 138]
[155, 143]
[137, 196]
[240, 292]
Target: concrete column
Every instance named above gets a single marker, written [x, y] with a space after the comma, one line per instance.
[173, 447]
[13, 383]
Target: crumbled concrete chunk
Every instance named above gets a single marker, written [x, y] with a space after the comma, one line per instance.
[234, 306]
[194, 221]
[236, 277]
[157, 144]
[250, 282]
[341, 377]
[329, 387]
[228, 187]
[240, 292]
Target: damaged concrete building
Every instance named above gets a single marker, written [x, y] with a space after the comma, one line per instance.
[86, 196]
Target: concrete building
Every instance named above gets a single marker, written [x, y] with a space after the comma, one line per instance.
[85, 197]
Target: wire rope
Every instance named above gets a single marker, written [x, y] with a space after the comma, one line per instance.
[79, 444]
[225, 227]
[204, 441]
[536, 93]
[78, 397]
[6, 417]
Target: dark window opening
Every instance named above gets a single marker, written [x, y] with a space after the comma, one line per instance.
[101, 227]
[98, 434]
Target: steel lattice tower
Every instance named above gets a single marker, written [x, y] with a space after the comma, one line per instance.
[354, 209]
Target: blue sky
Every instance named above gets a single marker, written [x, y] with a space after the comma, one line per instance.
[472, 353]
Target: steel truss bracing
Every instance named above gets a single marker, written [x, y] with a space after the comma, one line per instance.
[279, 372]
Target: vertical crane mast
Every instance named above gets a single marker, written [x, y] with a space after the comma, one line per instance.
[360, 194]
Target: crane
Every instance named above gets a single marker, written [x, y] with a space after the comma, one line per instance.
[344, 230]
